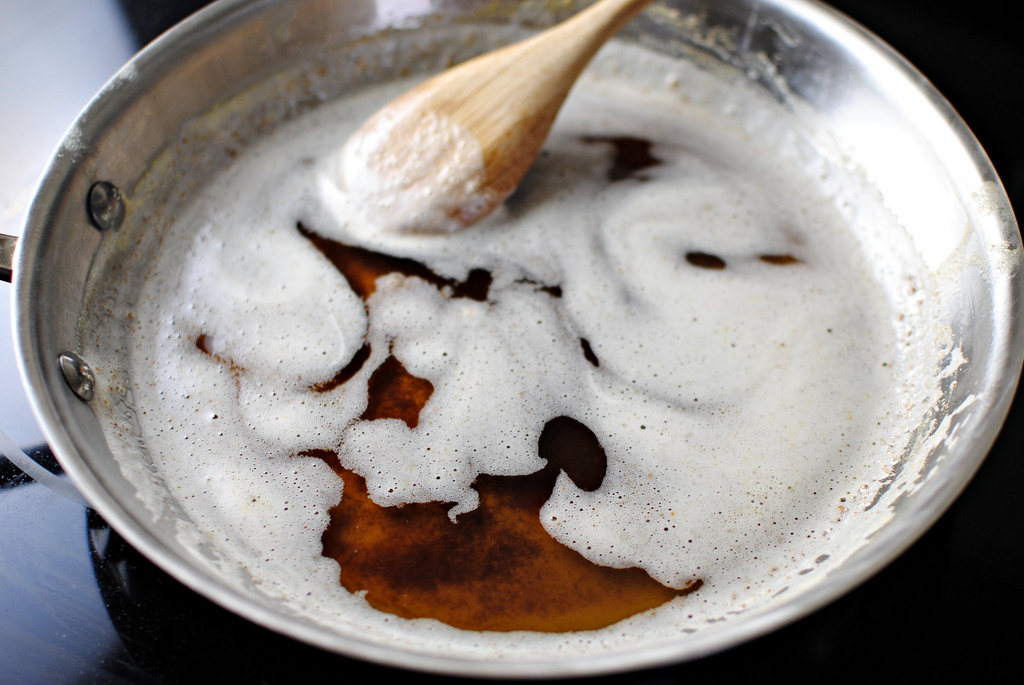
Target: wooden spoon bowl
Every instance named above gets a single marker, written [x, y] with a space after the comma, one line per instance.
[448, 153]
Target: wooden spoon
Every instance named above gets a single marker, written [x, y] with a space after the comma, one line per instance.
[448, 153]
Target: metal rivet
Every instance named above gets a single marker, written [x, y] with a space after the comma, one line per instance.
[106, 206]
[78, 374]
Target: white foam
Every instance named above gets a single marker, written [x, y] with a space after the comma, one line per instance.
[749, 414]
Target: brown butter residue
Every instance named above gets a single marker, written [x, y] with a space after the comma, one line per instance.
[779, 259]
[394, 393]
[206, 347]
[362, 267]
[631, 155]
[496, 568]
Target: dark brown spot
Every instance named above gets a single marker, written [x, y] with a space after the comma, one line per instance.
[362, 267]
[394, 393]
[343, 376]
[631, 155]
[475, 287]
[203, 343]
[779, 259]
[588, 352]
[552, 290]
[496, 568]
[206, 347]
[568, 445]
[705, 260]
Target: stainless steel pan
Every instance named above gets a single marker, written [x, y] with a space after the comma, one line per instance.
[922, 158]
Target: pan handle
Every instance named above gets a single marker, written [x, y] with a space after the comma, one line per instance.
[7, 447]
[7, 245]
[36, 472]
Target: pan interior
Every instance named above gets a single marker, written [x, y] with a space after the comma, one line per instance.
[770, 525]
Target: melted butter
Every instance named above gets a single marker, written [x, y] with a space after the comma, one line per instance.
[496, 568]
[741, 410]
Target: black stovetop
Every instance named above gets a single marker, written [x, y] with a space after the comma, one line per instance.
[78, 605]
